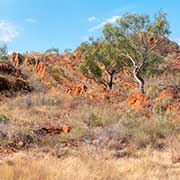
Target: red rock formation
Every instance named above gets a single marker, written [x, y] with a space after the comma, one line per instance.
[20, 84]
[17, 59]
[39, 68]
[173, 107]
[4, 84]
[136, 101]
[79, 89]
[75, 89]
[9, 69]
[50, 129]
[171, 92]
[77, 54]
[170, 95]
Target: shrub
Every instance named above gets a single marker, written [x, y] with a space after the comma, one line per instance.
[41, 100]
[25, 136]
[94, 120]
[148, 132]
[35, 82]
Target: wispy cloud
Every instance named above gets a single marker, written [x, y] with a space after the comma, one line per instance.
[102, 24]
[8, 31]
[31, 20]
[92, 18]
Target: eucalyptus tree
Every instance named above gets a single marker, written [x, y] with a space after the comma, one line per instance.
[101, 61]
[133, 39]
[142, 38]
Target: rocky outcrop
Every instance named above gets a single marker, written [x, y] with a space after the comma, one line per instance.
[20, 84]
[172, 93]
[136, 101]
[17, 59]
[9, 69]
[37, 66]
[169, 99]
[51, 129]
[16, 84]
[4, 84]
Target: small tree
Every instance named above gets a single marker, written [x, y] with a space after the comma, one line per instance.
[101, 60]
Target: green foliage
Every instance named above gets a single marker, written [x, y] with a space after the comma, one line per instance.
[55, 72]
[138, 31]
[100, 56]
[152, 66]
[145, 131]
[35, 82]
[90, 67]
[25, 136]
[134, 36]
[94, 120]
[160, 25]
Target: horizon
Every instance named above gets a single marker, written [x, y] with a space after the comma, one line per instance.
[38, 26]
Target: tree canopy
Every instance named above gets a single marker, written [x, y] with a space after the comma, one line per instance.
[132, 40]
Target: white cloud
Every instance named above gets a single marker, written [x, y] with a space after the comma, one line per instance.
[8, 31]
[107, 21]
[92, 18]
[31, 20]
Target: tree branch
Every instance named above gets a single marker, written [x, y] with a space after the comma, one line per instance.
[130, 58]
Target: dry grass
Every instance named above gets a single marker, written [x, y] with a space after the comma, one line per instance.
[86, 163]
[149, 164]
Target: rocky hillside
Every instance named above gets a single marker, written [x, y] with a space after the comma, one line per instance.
[49, 108]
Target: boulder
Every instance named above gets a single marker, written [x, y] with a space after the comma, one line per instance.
[4, 84]
[136, 101]
[9, 69]
[20, 84]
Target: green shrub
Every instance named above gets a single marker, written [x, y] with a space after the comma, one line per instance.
[25, 136]
[35, 82]
[145, 131]
[94, 120]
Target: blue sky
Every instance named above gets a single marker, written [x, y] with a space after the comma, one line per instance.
[36, 25]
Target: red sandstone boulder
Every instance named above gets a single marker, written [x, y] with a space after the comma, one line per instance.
[136, 101]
